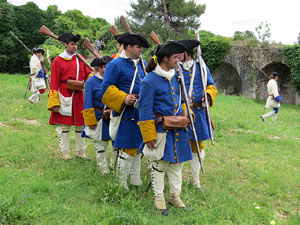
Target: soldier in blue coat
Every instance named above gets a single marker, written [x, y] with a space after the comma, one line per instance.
[94, 110]
[194, 87]
[160, 96]
[121, 87]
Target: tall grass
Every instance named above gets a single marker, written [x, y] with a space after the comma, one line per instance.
[252, 172]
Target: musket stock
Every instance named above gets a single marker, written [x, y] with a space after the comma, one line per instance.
[45, 30]
[113, 30]
[87, 44]
[154, 38]
[125, 25]
[127, 28]
[204, 71]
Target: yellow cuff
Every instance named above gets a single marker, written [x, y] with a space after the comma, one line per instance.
[114, 98]
[53, 99]
[148, 130]
[89, 76]
[184, 110]
[212, 91]
[89, 116]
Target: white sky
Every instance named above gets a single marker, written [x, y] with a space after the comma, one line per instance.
[222, 17]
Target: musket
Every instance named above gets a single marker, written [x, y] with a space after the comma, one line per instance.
[180, 77]
[44, 30]
[114, 31]
[261, 71]
[31, 53]
[87, 44]
[203, 72]
[48, 58]
[127, 28]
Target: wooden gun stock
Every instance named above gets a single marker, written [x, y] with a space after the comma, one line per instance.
[154, 38]
[45, 30]
[113, 30]
[125, 24]
[87, 44]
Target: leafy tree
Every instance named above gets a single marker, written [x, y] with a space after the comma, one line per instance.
[239, 35]
[264, 32]
[50, 15]
[292, 57]
[8, 50]
[169, 19]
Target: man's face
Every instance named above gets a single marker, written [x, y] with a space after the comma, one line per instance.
[38, 54]
[172, 61]
[135, 51]
[101, 70]
[71, 47]
[181, 57]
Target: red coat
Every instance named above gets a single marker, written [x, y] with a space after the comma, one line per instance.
[62, 70]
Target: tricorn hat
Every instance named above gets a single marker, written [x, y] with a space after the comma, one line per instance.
[275, 74]
[101, 61]
[66, 38]
[133, 39]
[169, 48]
[36, 50]
[190, 44]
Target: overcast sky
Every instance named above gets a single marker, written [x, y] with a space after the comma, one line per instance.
[222, 17]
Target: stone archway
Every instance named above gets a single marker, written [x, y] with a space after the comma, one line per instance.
[227, 79]
[287, 93]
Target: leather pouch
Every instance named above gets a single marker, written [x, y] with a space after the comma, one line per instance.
[174, 122]
[74, 85]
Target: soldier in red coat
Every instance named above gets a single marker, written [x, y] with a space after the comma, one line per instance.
[66, 95]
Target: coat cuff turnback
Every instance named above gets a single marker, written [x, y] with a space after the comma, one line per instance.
[114, 98]
[53, 99]
[212, 91]
[148, 130]
[89, 116]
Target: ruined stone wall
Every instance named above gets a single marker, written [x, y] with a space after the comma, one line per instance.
[237, 76]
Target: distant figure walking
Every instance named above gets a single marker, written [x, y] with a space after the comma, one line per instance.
[102, 44]
[299, 39]
[274, 98]
[97, 45]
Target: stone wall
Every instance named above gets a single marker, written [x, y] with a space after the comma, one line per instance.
[237, 76]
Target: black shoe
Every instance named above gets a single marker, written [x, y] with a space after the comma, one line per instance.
[164, 212]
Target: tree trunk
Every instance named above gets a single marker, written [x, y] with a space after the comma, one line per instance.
[166, 15]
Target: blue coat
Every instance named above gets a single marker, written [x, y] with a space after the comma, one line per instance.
[116, 84]
[201, 121]
[92, 98]
[157, 94]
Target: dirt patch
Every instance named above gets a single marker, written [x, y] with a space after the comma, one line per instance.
[27, 121]
[273, 137]
[2, 124]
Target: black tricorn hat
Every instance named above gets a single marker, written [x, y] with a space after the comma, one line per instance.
[66, 38]
[275, 74]
[101, 61]
[169, 48]
[190, 44]
[36, 50]
[133, 39]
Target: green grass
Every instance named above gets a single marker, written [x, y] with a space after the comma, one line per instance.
[253, 164]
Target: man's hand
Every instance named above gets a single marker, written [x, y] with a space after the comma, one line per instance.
[130, 99]
[150, 144]
[208, 99]
[55, 109]
[92, 127]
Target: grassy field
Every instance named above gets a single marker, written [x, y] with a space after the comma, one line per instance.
[252, 172]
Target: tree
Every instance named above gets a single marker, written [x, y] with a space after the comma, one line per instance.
[264, 32]
[169, 19]
[50, 15]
